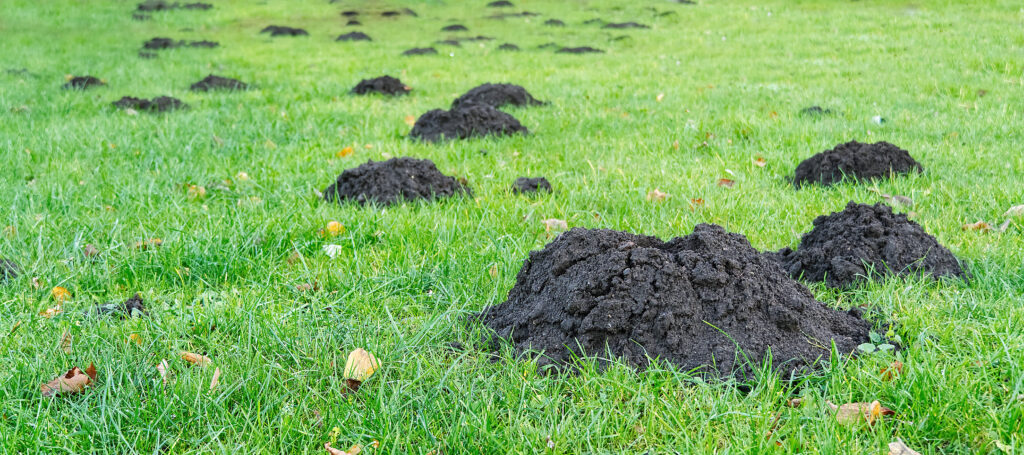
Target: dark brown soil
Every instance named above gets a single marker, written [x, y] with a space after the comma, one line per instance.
[554, 23]
[391, 13]
[384, 85]
[278, 30]
[420, 51]
[350, 13]
[132, 307]
[531, 185]
[158, 104]
[864, 242]
[353, 22]
[579, 50]
[162, 5]
[706, 301]
[472, 120]
[500, 4]
[354, 36]
[168, 43]
[454, 28]
[212, 82]
[9, 269]
[625, 25]
[497, 95]
[508, 47]
[815, 111]
[508, 15]
[83, 82]
[392, 182]
[856, 161]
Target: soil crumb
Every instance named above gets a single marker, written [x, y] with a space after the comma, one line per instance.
[554, 23]
[625, 25]
[132, 307]
[278, 30]
[524, 185]
[392, 182]
[857, 161]
[508, 47]
[864, 242]
[579, 50]
[213, 82]
[704, 301]
[497, 95]
[9, 269]
[473, 120]
[420, 51]
[501, 4]
[454, 28]
[384, 85]
[354, 36]
[83, 82]
[158, 104]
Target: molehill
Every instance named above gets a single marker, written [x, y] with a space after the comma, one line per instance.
[392, 182]
[857, 161]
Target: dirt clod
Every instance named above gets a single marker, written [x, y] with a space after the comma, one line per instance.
[392, 182]
[83, 82]
[158, 104]
[622, 25]
[508, 47]
[707, 300]
[857, 161]
[531, 185]
[864, 242]
[9, 269]
[384, 85]
[454, 28]
[579, 50]
[279, 30]
[497, 95]
[353, 22]
[168, 43]
[213, 82]
[554, 23]
[420, 51]
[473, 120]
[815, 111]
[162, 5]
[500, 4]
[354, 36]
[132, 307]
[350, 13]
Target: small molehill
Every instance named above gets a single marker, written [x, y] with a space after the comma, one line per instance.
[420, 51]
[497, 95]
[706, 301]
[579, 50]
[473, 120]
[213, 82]
[856, 161]
[350, 13]
[508, 47]
[162, 5]
[864, 242]
[353, 22]
[500, 4]
[554, 23]
[815, 111]
[622, 25]
[392, 182]
[9, 269]
[384, 85]
[158, 104]
[83, 82]
[168, 43]
[132, 307]
[279, 30]
[454, 28]
[524, 185]
[354, 36]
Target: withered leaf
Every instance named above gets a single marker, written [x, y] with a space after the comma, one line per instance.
[74, 381]
[360, 365]
[897, 447]
[728, 183]
[554, 224]
[977, 226]
[854, 413]
[656, 195]
[198, 360]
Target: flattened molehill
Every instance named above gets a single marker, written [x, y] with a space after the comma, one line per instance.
[815, 111]
[279, 30]
[350, 13]
[863, 242]
[554, 23]
[497, 95]
[688, 302]
[9, 269]
[132, 307]
[162, 5]
[621, 25]
[353, 22]
[420, 51]
[83, 82]
[500, 4]
[857, 161]
[508, 47]
[474, 120]
[529, 185]
[384, 85]
[213, 82]
[449, 42]
[579, 50]
[392, 182]
[507, 15]
[158, 104]
[168, 43]
[354, 36]
[454, 28]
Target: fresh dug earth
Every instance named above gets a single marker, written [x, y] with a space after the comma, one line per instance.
[529, 185]
[622, 25]
[508, 47]
[467, 121]
[392, 182]
[384, 85]
[420, 51]
[454, 28]
[213, 82]
[132, 307]
[497, 95]
[158, 104]
[866, 241]
[500, 4]
[83, 82]
[278, 30]
[167, 43]
[161, 5]
[9, 269]
[354, 36]
[855, 160]
[690, 302]
[579, 50]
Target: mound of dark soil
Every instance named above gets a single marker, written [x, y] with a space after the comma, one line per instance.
[707, 300]
[497, 95]
[863, 242]
[127, 309]
[212, 82]
[467, 121]
[554, 23]
[449, 42]
[420, 51]
[350, 13]
[278, 30]
[815, 111]
[168, 43]
[477, 38]
[162, 5]
[579, 50]
[508, 47]
[9, 269]
[507, 15]
[391, 13]
[857, 161]
[158, 104]
[454, 28]
[354, 36]
[204, 43]
[353, 22]
[500, 4]
[531, 185]
[393, 181]
[625, 25]
[385, 85]
[83, 82]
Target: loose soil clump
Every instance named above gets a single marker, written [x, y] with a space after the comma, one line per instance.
[473, 120]
[9, 269]
[83, 82]
[554, 23]
[864, 242]
[705, 301]
[420, 51]
[354, 36]
[384, 85]
[158, 104]
[524, 185]
[392, 182]
[454, 28]
[497, 95]
[162, 5]
[815, 111]
[132, 307]
[500, 4]
[621, 25]
[168, 43]
[278, 30]
[857, 161]
[508, 47]
[213, 82]
[579, 50]
[353, 22]
[350, 13]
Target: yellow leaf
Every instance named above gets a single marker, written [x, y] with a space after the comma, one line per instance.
[164, 369]
[344, 152]
[897, 447]
[656, 195]
[360, 365]
[854, 413]
[354, 450]
[493, 271]
[410, 120]
[198, 360]
[60, 294]
[554, 224]
[74, 381]
[135, 338]
[51, 312]
[334, 229]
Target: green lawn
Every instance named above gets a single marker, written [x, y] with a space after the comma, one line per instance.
[946, 76]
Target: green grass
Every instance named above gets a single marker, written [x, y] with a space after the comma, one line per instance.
[76, 171]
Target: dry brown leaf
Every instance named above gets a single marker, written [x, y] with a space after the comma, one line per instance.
[51, 312]
[854, 413]
[165, 370]
[795, 402]
[895, 369]
[696, 203]
[897, 447]
[977, 226]
[410, 120]
[147, 244]
[60, 294]
[554, 224]
[198, 360]
[656, 195]
[360, 365]
[760, 162]
[216, 379]
[74, 381]
[65, 342]
[354, 450]
[344, 152]
[135, 338]
[1017, 210]
[493, 271]
[90, 250]
[728, 183]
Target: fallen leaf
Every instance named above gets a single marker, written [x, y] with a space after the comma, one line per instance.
[1017, 210]
[368, 146]
[334, 229]
[216, 379]
[675, 145]
[196, 192]
[410, 120]
[354, 450]
[897, 447]
[51, 312]
[696, 203]
[493, 271]
[242, 176]
[895, 369]
[344, 152]
[853, 413]
[74, 381]
[554, 224]
[147, 244]
[198, 360]
[360, 365]
[795, 402]
[333, 251]
[656, 195]
[165, 370]
[65, 342]
[90, 251]
[660, 97]
[977, 226]
[760, 162]
[135, 338]
[60, 294]
[728, 183]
